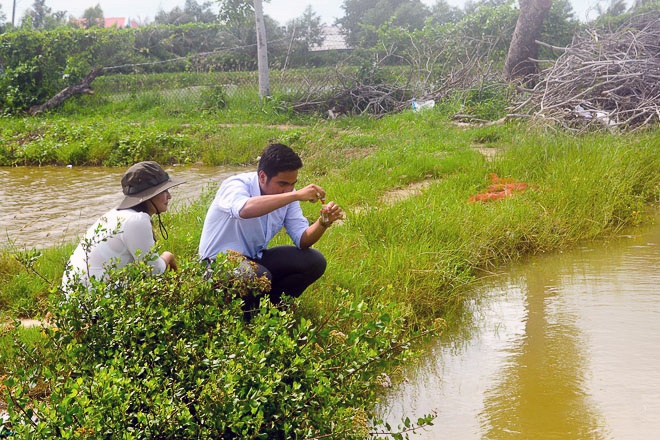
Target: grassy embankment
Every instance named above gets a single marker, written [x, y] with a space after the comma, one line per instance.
[409, 236]
[403, 180]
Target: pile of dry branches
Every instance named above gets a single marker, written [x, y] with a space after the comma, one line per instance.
[351, 95]
[377, 99]
[604, 79]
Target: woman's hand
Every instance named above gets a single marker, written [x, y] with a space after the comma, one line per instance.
[170, 261]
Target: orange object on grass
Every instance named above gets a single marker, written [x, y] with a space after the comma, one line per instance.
[500, 188]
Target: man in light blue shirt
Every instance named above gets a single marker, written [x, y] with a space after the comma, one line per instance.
[251, 208]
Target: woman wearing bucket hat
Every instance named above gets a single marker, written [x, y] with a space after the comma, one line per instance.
[125, 234]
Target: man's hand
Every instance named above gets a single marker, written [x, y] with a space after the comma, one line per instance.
[310, 193]
[332, 213]
[262, 205]
[312, 234]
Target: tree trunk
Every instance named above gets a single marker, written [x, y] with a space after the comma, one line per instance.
[523, 47]
[262, 49]
[77, 89]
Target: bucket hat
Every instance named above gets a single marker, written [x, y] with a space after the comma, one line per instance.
[144, 180]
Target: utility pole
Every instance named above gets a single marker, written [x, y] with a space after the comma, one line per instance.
[13, 13]
[262, 50]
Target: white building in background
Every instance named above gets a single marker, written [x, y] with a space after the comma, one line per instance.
[334, 40]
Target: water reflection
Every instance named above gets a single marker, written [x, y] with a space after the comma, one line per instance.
[540, 391]
[45, 206]
[564, 347]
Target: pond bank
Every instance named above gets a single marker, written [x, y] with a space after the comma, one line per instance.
[562, 345]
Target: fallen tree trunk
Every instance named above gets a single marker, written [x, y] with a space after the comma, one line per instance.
[77, 89]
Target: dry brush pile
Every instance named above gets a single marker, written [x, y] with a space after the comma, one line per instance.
[603, 80]
[352, 94]
[606, 79]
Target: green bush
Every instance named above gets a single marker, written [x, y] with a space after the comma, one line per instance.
[37, 65]
[214, 98]
[167, 357]
[488, 102]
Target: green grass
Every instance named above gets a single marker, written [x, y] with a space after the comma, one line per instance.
[17, 343]
[403, 180]
[410, 240]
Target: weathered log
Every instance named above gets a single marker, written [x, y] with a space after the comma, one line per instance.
[76, 89]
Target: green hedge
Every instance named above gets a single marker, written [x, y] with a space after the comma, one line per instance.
[170, 357]
[34, 66]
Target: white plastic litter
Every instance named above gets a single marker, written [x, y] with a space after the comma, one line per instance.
[599, 115]
[417, 106]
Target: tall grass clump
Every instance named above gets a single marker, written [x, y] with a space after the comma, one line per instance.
[592, 184]
[419, 248]
[26, 277]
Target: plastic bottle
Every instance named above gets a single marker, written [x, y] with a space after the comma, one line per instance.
[324, 214]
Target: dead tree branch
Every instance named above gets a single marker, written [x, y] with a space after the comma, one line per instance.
[77, 89]
[435, 72]
[602, 80]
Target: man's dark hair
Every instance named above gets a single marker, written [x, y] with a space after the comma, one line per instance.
[277, 158]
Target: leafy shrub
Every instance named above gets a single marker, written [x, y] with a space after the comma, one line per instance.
[37, 65]
[169, 357]
[488, 102]
[214, 98]
[42, 151]
[19, 86]
[150, 145]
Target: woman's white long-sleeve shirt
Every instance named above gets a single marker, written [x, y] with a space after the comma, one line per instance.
[117, 238]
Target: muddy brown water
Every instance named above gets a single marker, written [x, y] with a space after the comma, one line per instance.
[565, 346]
[46, 206]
